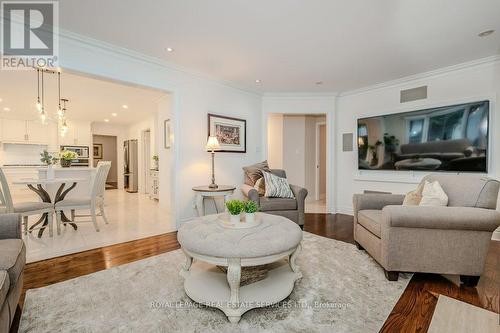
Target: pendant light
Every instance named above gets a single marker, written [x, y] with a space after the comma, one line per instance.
[42, 114]
[60, 112]
[64, 124]
[38, 104]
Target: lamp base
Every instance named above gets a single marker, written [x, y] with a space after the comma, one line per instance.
[213, 186]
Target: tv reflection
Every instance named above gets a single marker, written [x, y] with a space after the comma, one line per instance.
[451, 138]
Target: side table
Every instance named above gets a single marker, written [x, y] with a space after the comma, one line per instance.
[206, 192]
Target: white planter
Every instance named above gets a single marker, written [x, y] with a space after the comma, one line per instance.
[235, 218]
[250, 217]
[50, 172]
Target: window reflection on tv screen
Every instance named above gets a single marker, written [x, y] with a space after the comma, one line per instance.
[451, 138]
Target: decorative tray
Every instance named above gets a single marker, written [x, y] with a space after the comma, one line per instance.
[224, 221]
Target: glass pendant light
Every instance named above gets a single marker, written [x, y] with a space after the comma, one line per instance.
[60, 112]
[38, 104]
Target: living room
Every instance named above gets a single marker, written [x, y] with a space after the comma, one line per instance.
[246, 256]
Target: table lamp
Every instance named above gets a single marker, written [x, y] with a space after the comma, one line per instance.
[212, 146]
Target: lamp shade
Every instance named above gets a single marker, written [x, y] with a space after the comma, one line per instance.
[212, 143]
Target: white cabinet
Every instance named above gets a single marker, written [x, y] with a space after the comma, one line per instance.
[78, 134]
[154, 184]
[26, 131]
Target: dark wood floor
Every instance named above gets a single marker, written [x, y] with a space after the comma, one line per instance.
[412, 313]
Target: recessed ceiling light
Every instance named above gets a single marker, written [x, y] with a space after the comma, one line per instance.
[106, 120]
[6, 109]
[486, 33]
[125, 106]
[257, 81]
[169, 49]
[318, 83]
[114, 114]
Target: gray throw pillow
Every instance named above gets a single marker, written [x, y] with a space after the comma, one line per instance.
[277, 187]
[254, 172]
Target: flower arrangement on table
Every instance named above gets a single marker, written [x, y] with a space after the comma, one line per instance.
[66, 156]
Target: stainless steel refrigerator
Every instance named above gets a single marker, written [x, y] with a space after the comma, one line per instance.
[131, 181]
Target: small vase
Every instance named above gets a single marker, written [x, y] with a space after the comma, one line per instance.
[65, 163]
[250, 218]
[235, 218]
[50, 172]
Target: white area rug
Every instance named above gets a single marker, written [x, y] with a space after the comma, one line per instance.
[342, 290]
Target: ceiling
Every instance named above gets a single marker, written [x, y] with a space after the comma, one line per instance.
[90, 99]
[291, 44]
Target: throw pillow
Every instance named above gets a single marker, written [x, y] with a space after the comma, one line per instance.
[277, 187]
[260, 186]
[433, 195]
[413, 198]
[254, 172]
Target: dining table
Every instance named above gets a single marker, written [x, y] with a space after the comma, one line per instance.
[40, 187]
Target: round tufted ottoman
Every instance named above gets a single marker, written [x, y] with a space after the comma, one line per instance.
[212, 245]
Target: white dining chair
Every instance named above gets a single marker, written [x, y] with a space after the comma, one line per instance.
[25, 209]
[92, 202]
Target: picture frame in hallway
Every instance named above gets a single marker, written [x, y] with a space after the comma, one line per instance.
[97, 151]
[230, 132]
[167, 134]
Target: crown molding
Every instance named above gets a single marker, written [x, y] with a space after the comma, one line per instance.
[138, 56]
[438, 72]
[301, 95]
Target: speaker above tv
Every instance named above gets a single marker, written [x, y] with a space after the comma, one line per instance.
[451, 138]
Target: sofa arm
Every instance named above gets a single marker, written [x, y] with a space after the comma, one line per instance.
[300, 194]
[250, 193]
[375, 201]
[444, 218]
[10, 226]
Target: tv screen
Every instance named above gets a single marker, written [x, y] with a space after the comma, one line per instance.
[451, 138]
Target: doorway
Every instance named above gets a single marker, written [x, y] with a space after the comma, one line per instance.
[105, 149]
[146, 160]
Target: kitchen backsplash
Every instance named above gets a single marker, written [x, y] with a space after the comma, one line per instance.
[20, 154]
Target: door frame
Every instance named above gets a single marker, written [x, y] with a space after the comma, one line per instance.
[317, 195]
[146, 160]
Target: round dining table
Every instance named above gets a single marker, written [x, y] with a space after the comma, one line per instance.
[39, 186]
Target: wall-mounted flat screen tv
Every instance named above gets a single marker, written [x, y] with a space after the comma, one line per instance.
[451, 138]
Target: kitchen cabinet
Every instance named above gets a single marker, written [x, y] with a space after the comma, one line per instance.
[78, 134]
[26, 131]
[154, 186]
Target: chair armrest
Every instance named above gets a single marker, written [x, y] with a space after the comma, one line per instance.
[375, 201]
[10, 226]
[300, 194]
[444, 218]
[250, 193]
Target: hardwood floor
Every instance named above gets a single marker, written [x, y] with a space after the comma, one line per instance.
[412, 313]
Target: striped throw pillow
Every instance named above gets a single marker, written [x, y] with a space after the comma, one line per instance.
[277, 187]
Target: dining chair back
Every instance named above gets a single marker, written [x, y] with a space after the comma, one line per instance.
[99, 185]
[5, 196]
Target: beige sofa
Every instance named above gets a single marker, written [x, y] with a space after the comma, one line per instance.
[443, 240]
[12, 261]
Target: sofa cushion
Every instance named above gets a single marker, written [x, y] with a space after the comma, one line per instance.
[12, 258]
[4, 287]
[269, 204]
[254, 172]
[371, 219]
[433, 195]
[468, 190]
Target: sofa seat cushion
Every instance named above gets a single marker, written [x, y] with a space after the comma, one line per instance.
[270, 204]
[4, 287]
[12, 258]
[371, 219]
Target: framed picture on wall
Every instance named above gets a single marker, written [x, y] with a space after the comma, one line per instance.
[97, 151]
[167, 134]
[230, 132]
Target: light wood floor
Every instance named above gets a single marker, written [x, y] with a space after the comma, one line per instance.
[412, 313]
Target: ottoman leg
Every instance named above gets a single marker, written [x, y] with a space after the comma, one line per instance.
[186, 266]
[292, 261]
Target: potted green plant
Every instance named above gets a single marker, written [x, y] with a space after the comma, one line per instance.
[48, 160]
[235, 207]
[250, 209]
[66, 156]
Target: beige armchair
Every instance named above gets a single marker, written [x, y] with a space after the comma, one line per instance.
[442, 240]
[292, 209]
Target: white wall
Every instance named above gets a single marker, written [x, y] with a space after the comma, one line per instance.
[193, 96]
[275, 141]
[294, 146]
[481, 81]
[165, 155]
